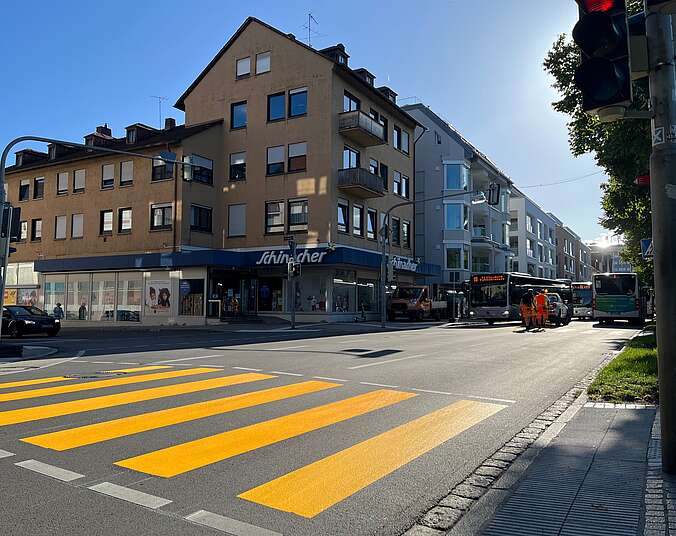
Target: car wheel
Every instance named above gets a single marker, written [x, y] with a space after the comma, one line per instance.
[15, 331]
[52, 332]
[558, 320]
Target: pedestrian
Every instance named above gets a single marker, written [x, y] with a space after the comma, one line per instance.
[527, 308]
[541, 305]
[58, 311]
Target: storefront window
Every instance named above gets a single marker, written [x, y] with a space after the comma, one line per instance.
[270, 294]
[312, 292]
[344, 283]
[77, 299]
[366, 295]
[55, 291]
[191, 293]
[11, 277]
[129, 296]
[103, 297]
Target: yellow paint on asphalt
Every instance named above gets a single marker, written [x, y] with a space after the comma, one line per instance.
[102, 384]
[312, 489]
[36, 381]
[104, 431]
[185, 457]
[15, 416]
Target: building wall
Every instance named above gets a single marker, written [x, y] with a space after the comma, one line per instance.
[520, 207]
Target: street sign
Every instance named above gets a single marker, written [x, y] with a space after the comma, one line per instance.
[494, 194]
[647, 248]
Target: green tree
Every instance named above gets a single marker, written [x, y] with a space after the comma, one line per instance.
[622, 149]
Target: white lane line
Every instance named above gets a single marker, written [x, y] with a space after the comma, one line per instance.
[285, 373]
[329, 379]
[506, 400]
[228, 525]
[283, 348]
[375, 364]
[49, 470]
[127, 363]
[188, 358]
[130, 495]
[104, 362]
[5, 453]
[249, 369]
[379, 385]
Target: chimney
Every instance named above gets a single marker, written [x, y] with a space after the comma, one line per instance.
[169, 123]
[104, 130]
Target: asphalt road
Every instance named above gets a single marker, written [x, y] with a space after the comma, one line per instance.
[343, 430]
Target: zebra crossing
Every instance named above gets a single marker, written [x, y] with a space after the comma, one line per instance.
[307, 490]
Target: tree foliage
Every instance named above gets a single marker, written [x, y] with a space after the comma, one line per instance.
[622, 149]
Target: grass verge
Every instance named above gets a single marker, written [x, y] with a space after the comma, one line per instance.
[631, 376]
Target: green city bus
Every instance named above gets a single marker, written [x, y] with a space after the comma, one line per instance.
[618, 296]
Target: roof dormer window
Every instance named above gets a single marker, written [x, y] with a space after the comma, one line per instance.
[131, 135]
[52, 152]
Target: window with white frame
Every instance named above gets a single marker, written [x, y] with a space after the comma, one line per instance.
[124, 220]
[343, 216]
[396, 182]
[107, 176]
[106, 222]
[62, 183]
[263, 62]
[357, 220]
[456, 216]
[274, 217]
[243, 67]
[77, 226]
[79, 177]
[529, 223]
[60, 228]
[161, 217]
[298, 214]
[126, 172]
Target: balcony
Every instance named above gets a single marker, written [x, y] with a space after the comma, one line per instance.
[360, 183]
[481, 267]
[361, 128]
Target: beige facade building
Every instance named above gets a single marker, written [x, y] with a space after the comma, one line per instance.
[282, 140]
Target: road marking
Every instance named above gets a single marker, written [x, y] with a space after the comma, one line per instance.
[107, 430]
[463, 395]
[37, 381]
[100, 384]
[128, 363]
[130, 495]
[49, 470]
[103, 362]
[192, 455]
[375, 364]
[190, 358]
[285, 373]
[247, 368]
[5, 453]
[59, 409]
[284, 348]
[312, 489]
[229, 525]
[380, 385]
[329, 379]
[138, 369]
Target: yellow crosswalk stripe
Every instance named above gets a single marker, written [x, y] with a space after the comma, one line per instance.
[102, 384]
[312, 489]
[104, 431]
[185, 457]
[140, 369]
[59, 409]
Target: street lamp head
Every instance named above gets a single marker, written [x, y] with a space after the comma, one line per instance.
[478, 198]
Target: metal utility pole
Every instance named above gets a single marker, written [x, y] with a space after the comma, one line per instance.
[659, 32]
[292, 280]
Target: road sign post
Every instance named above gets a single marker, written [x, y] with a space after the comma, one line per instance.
[292, 284]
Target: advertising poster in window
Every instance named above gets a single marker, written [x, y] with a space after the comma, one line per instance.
[10, 296]
[158, 296]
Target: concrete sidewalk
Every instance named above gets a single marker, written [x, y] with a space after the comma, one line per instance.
[589, 480]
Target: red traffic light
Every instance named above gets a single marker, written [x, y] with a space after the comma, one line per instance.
[642, 180]
[598, 5]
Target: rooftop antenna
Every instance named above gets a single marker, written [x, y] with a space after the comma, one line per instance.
[310, 20]
[159, 105]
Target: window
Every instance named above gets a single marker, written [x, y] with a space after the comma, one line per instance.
[350, 102]
[262, 62]
[297, 157]
[62, 183]
[36, 230]
[275, 161]
[60, 228]
[357, 220]
[529, 223]
[237, 220]
[24, 190]
[465, 257]
[238, 115]
[541, 253]
[200, 169]
[126, 173]
[298, 102]
[200, 218]
[396, 182]
[77, 226]
[343, 216]
[350, 157]
[274, 217]
[161, 169]
[131, 135]
[24, 230]
[529, 248]
[384, 175]
[453, 258]
[161, 217]
[404, 142]
[396, 232]
[276, 109]
[243, 67]
[456, 216]
[124, 220]
[298, 215]
[514, 224]
[456, 177]
[38, 188]
[406, 234]
[373, 166]
[237, 166]
[539, 230]
[383, 121]
[396, 137]
[106, 222]
[405, 186]
[107, 176]
[371, 224]
[79, 180]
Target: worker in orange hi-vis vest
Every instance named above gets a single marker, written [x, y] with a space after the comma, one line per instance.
[542, 308]
[527, 309]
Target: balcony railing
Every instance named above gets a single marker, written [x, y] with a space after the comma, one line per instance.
[481, 267]
[361, 128]
[360, 182]
[479, 232]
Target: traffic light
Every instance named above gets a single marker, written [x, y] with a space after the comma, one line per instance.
[603, 75]
[295, 270]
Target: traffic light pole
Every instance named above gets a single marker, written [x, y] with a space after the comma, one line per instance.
[660, 37]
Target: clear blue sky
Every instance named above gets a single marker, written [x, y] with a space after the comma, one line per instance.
[70, 66]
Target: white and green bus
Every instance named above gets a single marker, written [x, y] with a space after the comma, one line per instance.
[618, 296]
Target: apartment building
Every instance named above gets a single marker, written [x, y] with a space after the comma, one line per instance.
[606, 257]
[294, 142]
[532, 237]
[460, 237]
[573, 257]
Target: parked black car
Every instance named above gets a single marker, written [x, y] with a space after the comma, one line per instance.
[18, 320]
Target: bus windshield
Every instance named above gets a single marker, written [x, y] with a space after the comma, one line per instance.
[582, 297]
[489, 295]
[615, 285]
[407, 293]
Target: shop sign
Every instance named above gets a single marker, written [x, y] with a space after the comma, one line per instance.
[306, 256]
[404, 263]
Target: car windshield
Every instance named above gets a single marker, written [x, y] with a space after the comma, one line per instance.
[26, 310]
[404, 293]
[553, 298]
